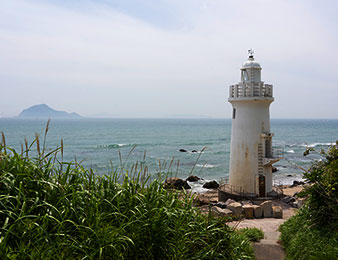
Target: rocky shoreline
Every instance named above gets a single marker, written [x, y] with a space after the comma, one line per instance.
[256, 208]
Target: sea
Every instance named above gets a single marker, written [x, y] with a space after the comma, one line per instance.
[103, 144]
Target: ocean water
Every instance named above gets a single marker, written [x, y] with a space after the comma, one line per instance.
[97, 143]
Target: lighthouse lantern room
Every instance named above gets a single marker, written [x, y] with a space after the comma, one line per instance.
[251, 155]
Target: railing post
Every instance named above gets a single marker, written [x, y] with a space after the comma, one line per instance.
[271, 89]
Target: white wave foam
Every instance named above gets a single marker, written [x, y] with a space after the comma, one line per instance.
[206, 165]
[197, 186]
[310, 145]
[112, 146]
[290, 151]
[317, 144]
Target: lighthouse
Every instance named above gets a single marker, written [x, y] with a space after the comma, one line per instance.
[251, 155]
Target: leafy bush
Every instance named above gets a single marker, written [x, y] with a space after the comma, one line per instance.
[304, 241]
[322, 193]
[52, 209]
[312, 233]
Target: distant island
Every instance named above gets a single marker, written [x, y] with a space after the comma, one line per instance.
[43, 111]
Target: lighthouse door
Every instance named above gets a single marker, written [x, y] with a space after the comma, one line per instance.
[261, 185]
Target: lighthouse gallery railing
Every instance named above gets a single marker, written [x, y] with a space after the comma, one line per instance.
[252, 90]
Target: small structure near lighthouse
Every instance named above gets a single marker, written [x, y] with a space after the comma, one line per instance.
[251, 155]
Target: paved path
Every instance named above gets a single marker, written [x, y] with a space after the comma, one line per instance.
[267, 248]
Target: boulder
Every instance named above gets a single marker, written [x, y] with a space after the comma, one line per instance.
[258, 211]
[289, 175]
[216, 211]
[236, 208]
[194, 151]
[200, 200]
[176, 183]
[297, 183]
[294, 204]
[277, 212]
[193, 178]
[274, 169]
[248, 211]
[211, 185]
[219, 212]
[288, 199]
[220, 204]
[273, 194]
[229, 201]
[267, 209]
[183, 150]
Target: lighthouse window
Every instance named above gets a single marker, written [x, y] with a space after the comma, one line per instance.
[245, 76]
[234, 113]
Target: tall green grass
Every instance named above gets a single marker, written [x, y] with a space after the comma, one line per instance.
[60, 210]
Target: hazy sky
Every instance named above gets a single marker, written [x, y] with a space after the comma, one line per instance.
[166, 58]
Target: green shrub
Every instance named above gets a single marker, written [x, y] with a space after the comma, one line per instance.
[322, 193]
[304, 241]
[312, 232]
[253, 234]
[51, 209]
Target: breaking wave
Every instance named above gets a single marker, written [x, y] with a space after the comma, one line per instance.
[113, 146]
[206, 165]
[316, 144]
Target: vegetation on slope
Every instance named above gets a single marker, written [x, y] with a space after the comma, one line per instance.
[55, 209]
[312, 233]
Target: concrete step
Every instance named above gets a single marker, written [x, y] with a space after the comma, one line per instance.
[269, 251]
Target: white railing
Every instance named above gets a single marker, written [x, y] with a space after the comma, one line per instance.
[240, 90]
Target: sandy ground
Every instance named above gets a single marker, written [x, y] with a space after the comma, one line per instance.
[290, 191]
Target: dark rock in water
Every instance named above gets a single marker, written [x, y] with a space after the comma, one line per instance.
[176, 183]
[193, 178]
[183, 150]
[297, 183]
[194, 151]
[211, 185]
[288, 199]
[274, 169]
[289, 175]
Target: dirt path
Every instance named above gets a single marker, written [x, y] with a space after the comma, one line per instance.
[268, 248]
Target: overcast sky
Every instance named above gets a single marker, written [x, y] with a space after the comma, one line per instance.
[166, 58]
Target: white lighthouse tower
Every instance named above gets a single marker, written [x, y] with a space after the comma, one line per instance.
[251, 155]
